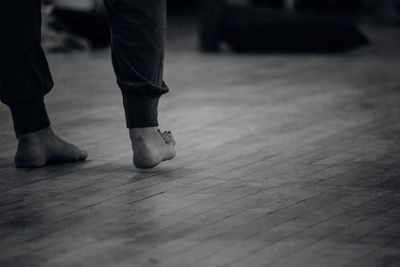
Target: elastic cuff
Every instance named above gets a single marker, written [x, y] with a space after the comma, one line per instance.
[140, 111]
[29, 115]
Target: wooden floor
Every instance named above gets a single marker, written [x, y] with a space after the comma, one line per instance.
[283, 160]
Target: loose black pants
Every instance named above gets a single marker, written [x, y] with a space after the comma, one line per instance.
[138, 35]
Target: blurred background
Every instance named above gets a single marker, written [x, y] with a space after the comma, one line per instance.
[243, 25]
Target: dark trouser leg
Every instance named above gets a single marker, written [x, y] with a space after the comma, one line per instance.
[138, 35]
[24, 73]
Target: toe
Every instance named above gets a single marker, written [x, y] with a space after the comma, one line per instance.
[77, 154]
[170, 138]
[83, 155]
[67, 153]
[166, 136]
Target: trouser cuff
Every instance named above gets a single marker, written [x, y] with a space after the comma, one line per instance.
[140, 111]
[29, 115]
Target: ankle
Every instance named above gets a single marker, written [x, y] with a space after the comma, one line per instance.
[26, 139]
[42, 138]
[42, 133]
[145, 133]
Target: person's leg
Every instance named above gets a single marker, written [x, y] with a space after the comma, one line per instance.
[138, 37]
[24, 80]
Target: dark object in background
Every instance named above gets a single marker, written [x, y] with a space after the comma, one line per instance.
[320, 6]
[90, 25]
[55, 37]
[247, 28]
[87, 19]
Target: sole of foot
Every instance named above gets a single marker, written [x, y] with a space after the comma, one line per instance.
[151, 147]
[39, 148]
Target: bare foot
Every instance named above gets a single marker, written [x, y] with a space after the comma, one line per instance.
[150, 146]
[39, 148]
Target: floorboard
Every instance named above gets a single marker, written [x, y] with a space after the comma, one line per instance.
[283, 160]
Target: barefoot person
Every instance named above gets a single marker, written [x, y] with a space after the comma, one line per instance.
[138, 36]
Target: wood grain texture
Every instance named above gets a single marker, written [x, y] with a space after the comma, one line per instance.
[283, 160]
